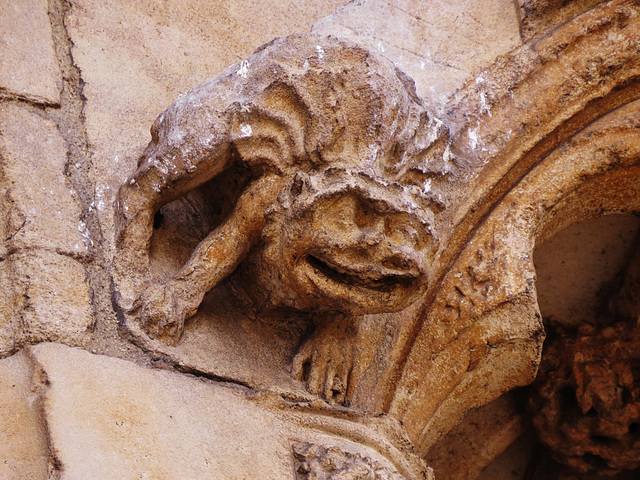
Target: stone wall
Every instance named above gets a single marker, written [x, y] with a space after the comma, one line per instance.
[82, 396]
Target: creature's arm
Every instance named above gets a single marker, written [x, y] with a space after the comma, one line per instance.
[163, 175]
[164, 308]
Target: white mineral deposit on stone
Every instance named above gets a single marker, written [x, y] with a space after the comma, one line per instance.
[484, 107]
[246, 130]
[244, 69]
[84, 233]
[473, 138]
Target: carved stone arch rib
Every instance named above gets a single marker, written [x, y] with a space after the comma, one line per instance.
[484, 303]
[593, 174]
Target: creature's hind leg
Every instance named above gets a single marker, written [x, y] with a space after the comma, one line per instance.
[162, 309]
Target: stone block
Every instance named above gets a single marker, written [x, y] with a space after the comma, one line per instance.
[9, 310]
[45, 297]
[576, 266]
[441, 44]
[40, 209]
[112, 419]
[28, 64]
[57, 303]
[513, 463]
[24, 451]
[481, 436]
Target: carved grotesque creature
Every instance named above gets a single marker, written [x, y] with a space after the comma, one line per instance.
[327, 133]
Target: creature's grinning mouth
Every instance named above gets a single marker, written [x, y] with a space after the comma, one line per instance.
[350, 277]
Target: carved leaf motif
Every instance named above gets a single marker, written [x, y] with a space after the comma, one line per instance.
[315, 462]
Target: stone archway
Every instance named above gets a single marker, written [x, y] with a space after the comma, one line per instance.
[547, 138]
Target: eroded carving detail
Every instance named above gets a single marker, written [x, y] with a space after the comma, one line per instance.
[314, 462]
[333, 219]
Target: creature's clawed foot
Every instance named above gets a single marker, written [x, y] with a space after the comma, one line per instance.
[324, 364]
[161, 313]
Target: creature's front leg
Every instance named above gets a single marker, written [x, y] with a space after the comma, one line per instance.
[326, 359]
[163, 309]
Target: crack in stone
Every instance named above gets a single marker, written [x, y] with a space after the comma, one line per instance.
[40, 384]
[70, 118]
[32, 100]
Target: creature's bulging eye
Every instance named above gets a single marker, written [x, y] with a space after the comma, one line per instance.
[402, 230]
[364, 215]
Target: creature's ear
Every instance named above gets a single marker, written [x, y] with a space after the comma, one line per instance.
[271, 128]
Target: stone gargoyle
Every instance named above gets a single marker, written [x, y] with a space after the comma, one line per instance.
[332, 216]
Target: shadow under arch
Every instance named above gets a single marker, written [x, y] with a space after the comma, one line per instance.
[583, 403]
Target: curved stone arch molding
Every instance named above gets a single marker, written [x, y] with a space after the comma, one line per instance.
[494, 336]
[513, 114]
[480, 333]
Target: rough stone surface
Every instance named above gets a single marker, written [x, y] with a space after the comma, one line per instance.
[419, 37]
[492, 194]
[136, 58]
[314, 462]
[331, 224]
[24, 452]
[38, 206]
[556, 164]
[514, 462]
[112, 419]
[586, 399]
[28, 64]
[576, 267]
[537, 16]
[545, 136]
[46, 297]
[45, 292]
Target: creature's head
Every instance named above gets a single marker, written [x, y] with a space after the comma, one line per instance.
[345, 241]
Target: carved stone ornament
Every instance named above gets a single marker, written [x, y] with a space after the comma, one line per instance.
[380, 257]
[321, 463]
